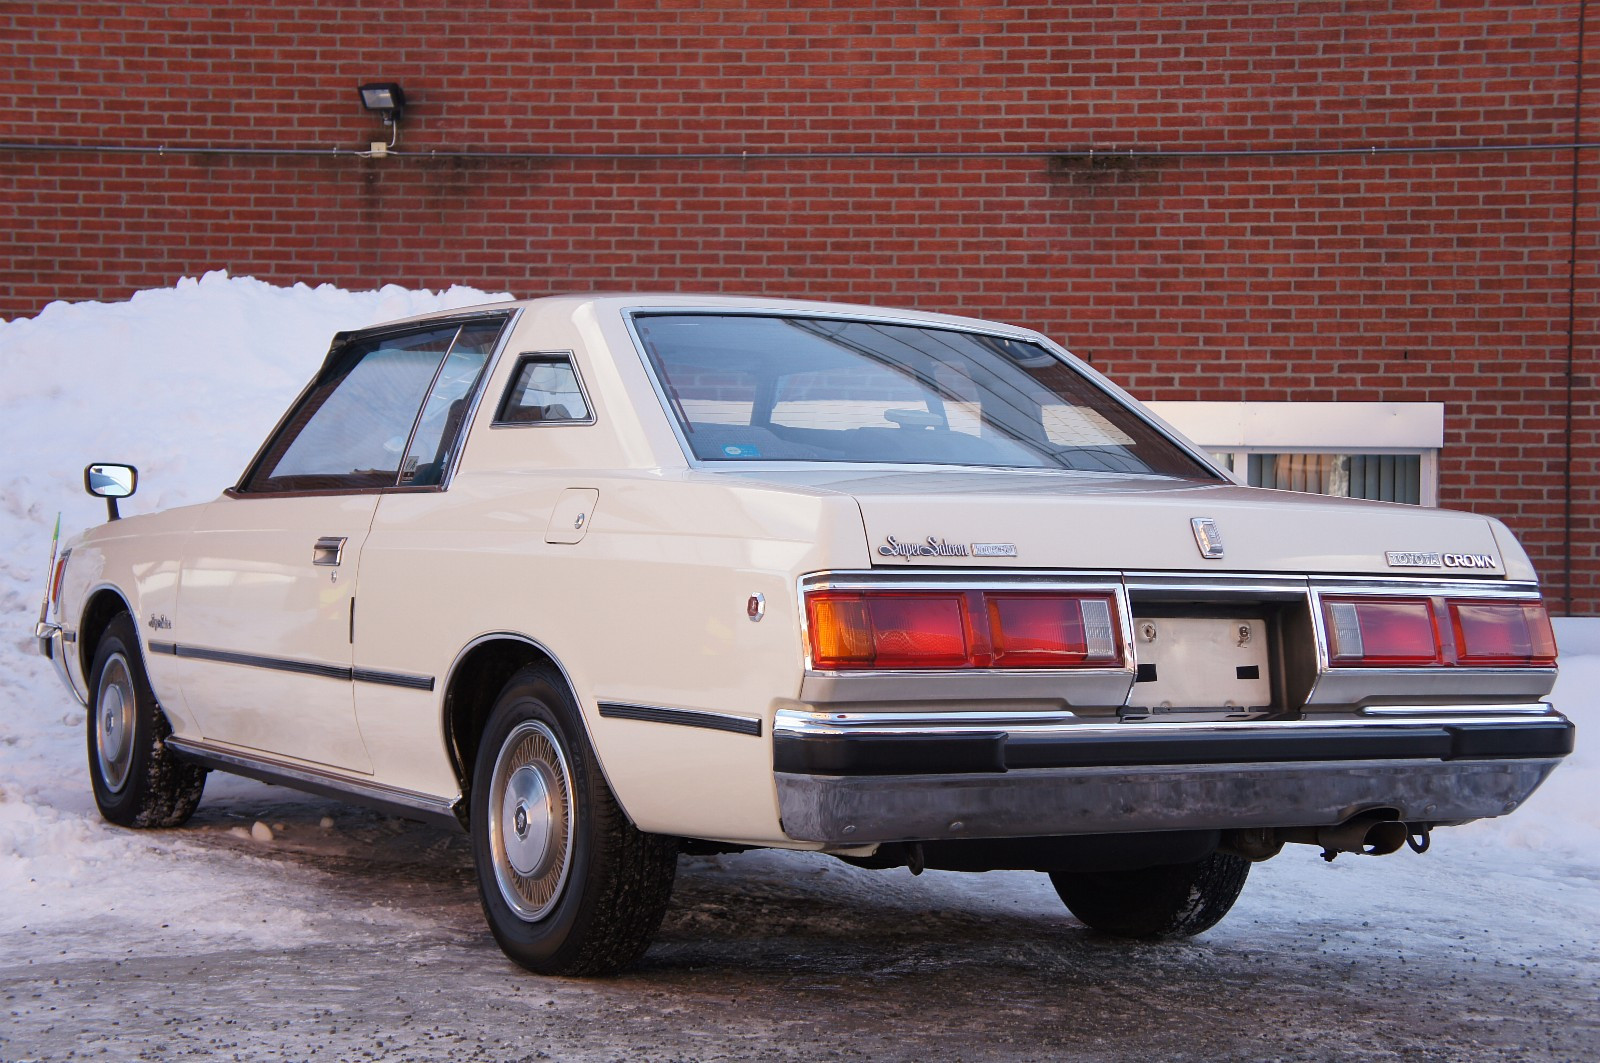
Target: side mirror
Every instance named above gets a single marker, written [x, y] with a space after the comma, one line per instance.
[110, 482]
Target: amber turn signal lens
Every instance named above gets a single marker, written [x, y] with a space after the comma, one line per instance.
[841, 631]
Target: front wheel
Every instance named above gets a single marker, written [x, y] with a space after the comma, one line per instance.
[1171, 901]
[138, 781]
[568, 885]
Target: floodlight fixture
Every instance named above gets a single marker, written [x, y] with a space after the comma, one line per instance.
[386, 98]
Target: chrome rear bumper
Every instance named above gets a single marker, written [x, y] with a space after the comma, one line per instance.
[853, 782]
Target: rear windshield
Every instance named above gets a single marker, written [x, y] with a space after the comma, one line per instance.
[766, 388]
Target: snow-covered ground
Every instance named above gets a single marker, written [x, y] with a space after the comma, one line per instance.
[184, 382]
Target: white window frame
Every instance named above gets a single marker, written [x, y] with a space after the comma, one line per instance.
[1239, 429]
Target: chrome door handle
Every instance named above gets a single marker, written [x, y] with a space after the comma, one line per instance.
[329, 550]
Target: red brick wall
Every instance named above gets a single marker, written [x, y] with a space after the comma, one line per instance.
[1421, 276]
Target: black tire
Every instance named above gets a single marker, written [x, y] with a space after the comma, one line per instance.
[138, 781]
[1171, 901]
[573, 888]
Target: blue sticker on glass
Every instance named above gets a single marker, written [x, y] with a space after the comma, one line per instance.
[734, 450]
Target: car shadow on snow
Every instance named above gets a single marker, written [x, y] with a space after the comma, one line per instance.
[766, 911]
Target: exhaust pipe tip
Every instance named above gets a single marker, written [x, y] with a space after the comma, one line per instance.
[1365, 834]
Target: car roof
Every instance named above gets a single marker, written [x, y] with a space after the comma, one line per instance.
[606, 303]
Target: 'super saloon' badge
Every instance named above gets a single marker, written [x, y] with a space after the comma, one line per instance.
[929, 547]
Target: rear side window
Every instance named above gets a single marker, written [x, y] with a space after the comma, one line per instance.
[384, 412]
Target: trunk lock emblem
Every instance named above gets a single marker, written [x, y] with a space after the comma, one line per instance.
[1207, 536]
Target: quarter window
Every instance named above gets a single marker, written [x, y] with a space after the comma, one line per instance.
[544, 390]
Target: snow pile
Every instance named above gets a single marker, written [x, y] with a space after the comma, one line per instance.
[183, 383]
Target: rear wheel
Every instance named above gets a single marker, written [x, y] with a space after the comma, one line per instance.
[569, 886]
[138, 782]
[1171, 901]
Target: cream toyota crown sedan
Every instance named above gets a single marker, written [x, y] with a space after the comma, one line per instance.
[604, 579]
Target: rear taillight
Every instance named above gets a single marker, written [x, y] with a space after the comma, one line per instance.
[1502, 633]
[1427, 632]
[1392, 632]
[851, 630]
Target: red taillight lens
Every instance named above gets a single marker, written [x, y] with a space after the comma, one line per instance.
[961, 629]
[1502, 633]
[1382, 632]
[1405, 632]
[1051, 631]
[917, 631]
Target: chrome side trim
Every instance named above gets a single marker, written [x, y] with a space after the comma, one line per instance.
[715, 721]
[409, 803]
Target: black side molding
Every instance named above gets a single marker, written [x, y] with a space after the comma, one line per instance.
[714, 721]
[281, 664]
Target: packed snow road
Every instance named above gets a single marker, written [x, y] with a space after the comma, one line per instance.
[362, 939]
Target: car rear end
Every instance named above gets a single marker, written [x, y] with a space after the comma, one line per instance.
[1073, 624]
[942, 705]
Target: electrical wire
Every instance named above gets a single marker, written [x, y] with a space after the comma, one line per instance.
[808, 155]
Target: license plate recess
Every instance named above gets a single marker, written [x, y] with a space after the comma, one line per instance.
[1204, 663]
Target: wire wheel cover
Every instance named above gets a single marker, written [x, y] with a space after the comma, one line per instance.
[115, 710]
[530, 820]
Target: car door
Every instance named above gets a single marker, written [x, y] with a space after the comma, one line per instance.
[267, 592]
